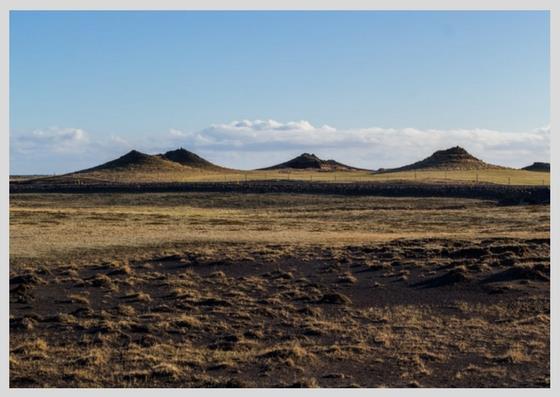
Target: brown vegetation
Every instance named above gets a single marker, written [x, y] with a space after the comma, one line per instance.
[233, 290]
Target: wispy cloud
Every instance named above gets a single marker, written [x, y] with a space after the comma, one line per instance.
[53, 139]
[259, 143]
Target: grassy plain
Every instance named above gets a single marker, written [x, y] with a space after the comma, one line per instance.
[250, 290]
[56, 225]
[503, 176]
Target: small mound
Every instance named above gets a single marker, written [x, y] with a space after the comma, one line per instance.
[458, 275]
[537, 166]
[455, 158]
[535, 273]
[335, 298]
[312, 162]
[190, 159]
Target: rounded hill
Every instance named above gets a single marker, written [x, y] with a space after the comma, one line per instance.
[455, 158]
[309, 161]
[189, 159]
[538, 166]
[135, 161]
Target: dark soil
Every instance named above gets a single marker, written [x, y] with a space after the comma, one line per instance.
[430, 313]
[504, 194]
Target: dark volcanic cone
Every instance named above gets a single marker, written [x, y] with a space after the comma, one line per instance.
[189, 159]
[311, 162]
[541, 167]
[135, 161]
[455, 158]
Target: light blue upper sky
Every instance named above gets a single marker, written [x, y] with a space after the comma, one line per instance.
[136, 74]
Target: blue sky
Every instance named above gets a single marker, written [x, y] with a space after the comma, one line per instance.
[87, 86]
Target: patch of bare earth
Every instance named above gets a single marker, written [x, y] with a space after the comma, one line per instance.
[401, 313]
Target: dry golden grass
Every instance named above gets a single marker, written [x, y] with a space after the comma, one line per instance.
[504, 176]
[276, 290]
[402, 345]
[59, 225]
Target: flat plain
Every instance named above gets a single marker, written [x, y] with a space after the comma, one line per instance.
[496, 176]
[277, 290]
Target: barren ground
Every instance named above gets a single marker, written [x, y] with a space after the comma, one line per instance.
[201, 290]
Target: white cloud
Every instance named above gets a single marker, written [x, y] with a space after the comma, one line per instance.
[364, 147]
[117, 140]
[259, 135]
[256, 143]
[268, 125]
[55, 139]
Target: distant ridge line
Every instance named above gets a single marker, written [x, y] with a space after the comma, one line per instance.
[175, 164]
